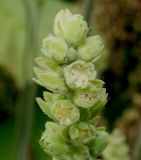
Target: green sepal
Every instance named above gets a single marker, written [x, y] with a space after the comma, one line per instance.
[45, 107]
[99, 143]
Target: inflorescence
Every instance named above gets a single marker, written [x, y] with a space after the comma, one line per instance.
[74, 96]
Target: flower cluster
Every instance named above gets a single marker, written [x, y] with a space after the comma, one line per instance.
[75, 96]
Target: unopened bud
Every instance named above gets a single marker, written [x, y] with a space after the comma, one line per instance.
[90, 49]
[53, 141]
[72, 28]
[56, 48]
[99, 143]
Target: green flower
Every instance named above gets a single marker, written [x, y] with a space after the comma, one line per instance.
[89, 96]
[65, 112]
[82, 133]
[53, 141]
[99, 143]
[55, 48]
[79, 74]
[50, 79]
[47, 64]
[72, 28]
[59, 109]
[50, 99]
[90, 49]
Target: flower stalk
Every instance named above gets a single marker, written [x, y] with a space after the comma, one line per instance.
[75, 95]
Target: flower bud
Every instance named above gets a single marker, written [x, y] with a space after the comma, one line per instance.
[60, 21]
[79, 74]
[53, 141]
[50, 80]
[47, 64]
[89, 96]
[99, 143]
[72, 28]
[65, 112]
[55, 48]
[82, 133]
[90, 49]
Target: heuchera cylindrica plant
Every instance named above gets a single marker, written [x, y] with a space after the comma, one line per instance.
[74, 96]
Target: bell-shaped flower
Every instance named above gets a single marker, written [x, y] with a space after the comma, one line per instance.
[55, 48]
[99, 143]
[72, 28]
[79, 74]
[89, 96]
[53, 141]
[82, 133]
[91, 49]
[65, 112]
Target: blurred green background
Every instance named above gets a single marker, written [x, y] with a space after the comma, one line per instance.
[24, 23]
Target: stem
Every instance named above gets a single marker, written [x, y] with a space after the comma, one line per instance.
[88, 10]
[24, 117]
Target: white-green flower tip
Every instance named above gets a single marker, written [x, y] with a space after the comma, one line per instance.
[75, 95]
[79, 74]
[71, 27]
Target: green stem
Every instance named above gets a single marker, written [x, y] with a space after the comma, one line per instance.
[88, 10]
[24, 117]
